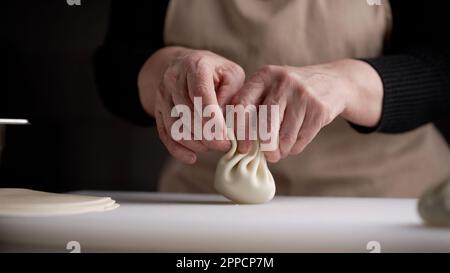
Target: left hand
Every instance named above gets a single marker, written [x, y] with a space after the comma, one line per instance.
[311, 97]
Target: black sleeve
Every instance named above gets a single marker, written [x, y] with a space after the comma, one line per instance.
[415, 68]
[135, 31]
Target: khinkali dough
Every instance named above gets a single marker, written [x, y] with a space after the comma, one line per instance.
[25, 202]
[244, 178]
[434, 205]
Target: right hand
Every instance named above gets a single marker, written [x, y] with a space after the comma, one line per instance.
[177, 75]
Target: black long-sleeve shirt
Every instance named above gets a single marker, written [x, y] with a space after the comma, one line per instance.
[415, 66]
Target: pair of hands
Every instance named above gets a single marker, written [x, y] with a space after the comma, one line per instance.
[309, 97]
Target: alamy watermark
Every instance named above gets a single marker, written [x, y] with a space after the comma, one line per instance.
[374, 2]
[73, 2]
[247, 123]
[73, 246]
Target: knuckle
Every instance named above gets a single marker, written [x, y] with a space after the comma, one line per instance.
[237, 72]
[236, 99]
[267, 69]
[296, 150]
[238, 69]
[191, 57]
[318, 77]
[285, 77]
[244, 101]
[273, 99]
[199, 73]
[303, 139]
[241, 98]
[190, 62]
[201, 63]
[287, 80]
[201, 89]
[287, 138]
[325, 117]
[302, 90]
[299, 146]
[169, 75]
[190, 67]
[277, 95]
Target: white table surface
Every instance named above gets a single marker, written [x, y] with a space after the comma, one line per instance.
[158, 222]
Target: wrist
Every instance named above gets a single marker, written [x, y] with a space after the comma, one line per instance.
[363, 94]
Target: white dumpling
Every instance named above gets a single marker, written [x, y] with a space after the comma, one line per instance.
[434, 205]
[244, 178]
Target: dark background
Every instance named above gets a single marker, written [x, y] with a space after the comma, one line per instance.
[46, 50]
[73, 142]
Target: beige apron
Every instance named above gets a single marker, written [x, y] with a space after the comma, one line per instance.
[339, 161]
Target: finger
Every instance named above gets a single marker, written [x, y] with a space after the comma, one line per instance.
[200, 83]
[292, 122]
[176, 150]
[168, 121]
[232, 79]
[310, 128]
[273, 126]
[178, 88]
[165, 107]
[250, 94]
[180, 96]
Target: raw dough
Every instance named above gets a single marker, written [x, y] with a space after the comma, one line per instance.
[434, 205]
[244, 178]
[16, 202]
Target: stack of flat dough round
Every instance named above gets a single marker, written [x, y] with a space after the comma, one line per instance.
[25, 202]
